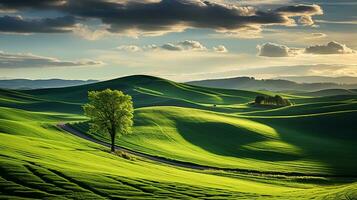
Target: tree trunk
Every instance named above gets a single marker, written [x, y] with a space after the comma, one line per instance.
[112, 135]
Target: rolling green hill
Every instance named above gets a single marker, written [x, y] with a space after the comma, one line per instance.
[145, 90]
[141, 86]
[261, 143]
[315, 138]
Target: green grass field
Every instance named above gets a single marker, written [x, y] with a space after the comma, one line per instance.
[315, 138]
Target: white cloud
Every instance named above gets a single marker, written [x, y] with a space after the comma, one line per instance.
[89, 33]
[276, 50]
[220, 49]
[191, 45]
[186, 45]
[129, 48]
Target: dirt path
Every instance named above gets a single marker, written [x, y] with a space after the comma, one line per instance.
[192, 165]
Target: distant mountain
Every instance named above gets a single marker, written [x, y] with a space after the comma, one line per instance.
[41, 83]
[249, 83]
[321, 79]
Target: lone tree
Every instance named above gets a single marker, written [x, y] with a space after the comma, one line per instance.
[111, 111]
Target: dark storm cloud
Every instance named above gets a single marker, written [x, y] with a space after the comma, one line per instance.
[18, 4]
[172, 15]
[158, 17]
[301, 9]
[16, 24]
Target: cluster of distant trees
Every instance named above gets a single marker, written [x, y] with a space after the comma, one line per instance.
[276, 100]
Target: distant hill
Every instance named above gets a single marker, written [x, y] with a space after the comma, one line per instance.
[41, 83]
[249, 83]
[321, 79]
[145, 91]
[295, 83]
[149, 90]
[329, 92]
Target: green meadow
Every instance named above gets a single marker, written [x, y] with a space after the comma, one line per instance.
[304, 151]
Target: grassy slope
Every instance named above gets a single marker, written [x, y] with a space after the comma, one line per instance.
[280, 143]
[38, 160]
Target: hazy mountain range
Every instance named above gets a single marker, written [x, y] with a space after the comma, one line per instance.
[295, 83]
[250, 83]
[41, 83]
[320, 79]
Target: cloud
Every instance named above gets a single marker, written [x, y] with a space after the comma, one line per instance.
[220, 49]
[9, 60]
[348, 22]
[257, 2]
[301, 10]
[186, 45]
[167, 16]
[191, 45]
[170, 47]
[276, 50]
[129, 48]
[17, 24]
[304, 11]
[38, 4]
[330, 48]
[89, 33]
[317, 35]
[157, 17]
[306, 20]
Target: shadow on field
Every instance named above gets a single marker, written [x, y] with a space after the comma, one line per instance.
[228, 140]
[329, 139]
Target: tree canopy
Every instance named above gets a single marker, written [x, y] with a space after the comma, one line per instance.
[276, 100]
[110, 112]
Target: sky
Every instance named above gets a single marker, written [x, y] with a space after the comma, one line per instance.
[180, 40]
